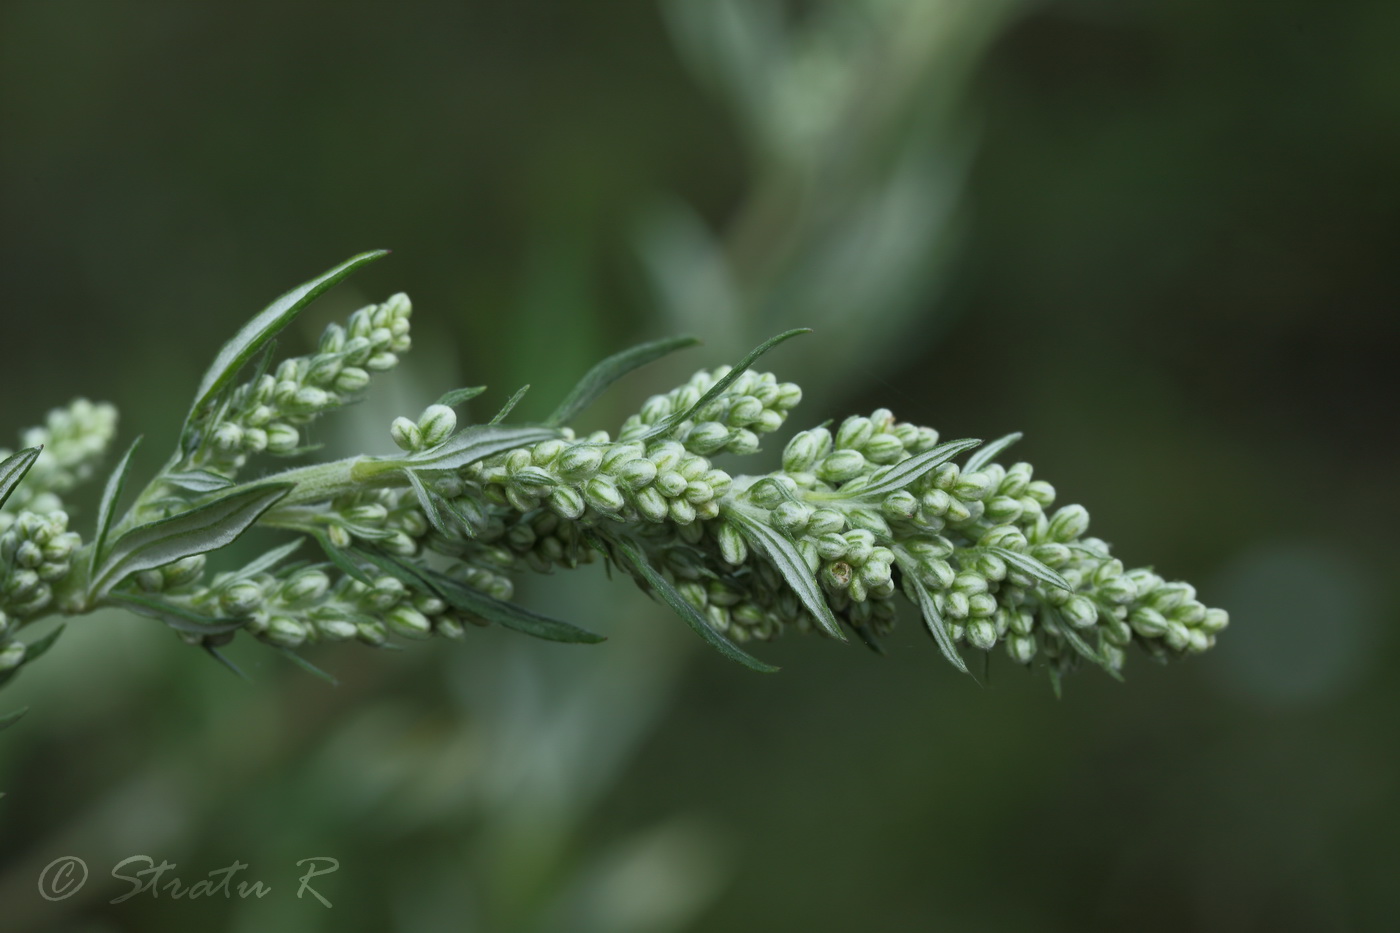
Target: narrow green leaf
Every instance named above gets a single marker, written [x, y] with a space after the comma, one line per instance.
[463, 597]
[307, 666]
[898, 475]
[41, 646]
[180, 618]
[270, 559]
[9, 719]
[597, 379]
[201, 481]
[265, 326]
[1082, 647]
[458, 396]
[429, 502]
[477, 442]
[783, 554]
[204, 528]
[343, 560]
[510, 404]
[1030, 566]
[933, 619]
[679, 418]
[14, 467]
[637, 560]
[868, 640]
[111, 495]
[219, 656]
[985, 456]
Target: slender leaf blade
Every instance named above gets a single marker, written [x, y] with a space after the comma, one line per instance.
[933, 619]
[510, 404]
[783, 554]
[458, 396]
[40, 647]
[9, 719]
[265, 326]
[201, 481]
[223, 659]
[270, 559]
[180, 618]
[985, 456]
[898, 475]
[597, 379]
[13, 469]
[343, 560]
[638, 561]
[1030, 566]
[307, 666]
[429, 504]
[476, 442]
[204, 528]
[111, 495]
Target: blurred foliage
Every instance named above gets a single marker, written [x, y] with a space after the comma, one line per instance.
[1087, 220]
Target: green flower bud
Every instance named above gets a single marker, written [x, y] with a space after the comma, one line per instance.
[825, 521]
[1021, 648]
[805, 449]
[579, 462]
[855, 432]
[436, 424]
[698, 491]
[731, 545]
[742, 442]
[651, 504]
[285, 631]
[602, 494]
[228, 437]
[792, 517]
[1041, 492]
[11, 655]
[406, 434]
[1148, 622]
[982, 634]
[936, 573]
[350, 379]
[407, 622]
[1215, 620]
[707, 438]
[1068, 523]
[635, 474]
[566, 502]
[337, 629]
[682, 512]
[883, 449]
[670, 484]
[449, 627]
[836, 575]
[1080, 612]
[1003, 510]
[900, 505]
[969, 583]
[841, 465]
[973, 486]
[955, 605]
[282, 438]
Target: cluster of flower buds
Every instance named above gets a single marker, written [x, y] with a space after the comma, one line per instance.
[74, 439]
[36, 550]
[753, 404]
[298, 604]
[267, 413]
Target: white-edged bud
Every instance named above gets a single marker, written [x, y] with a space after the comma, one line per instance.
[884, 449]
[982, 634]
[841, 465]
[707, 438]
[566, 502]
[854, 433]
[436, 424]
[1080, 612]
[1021, 648]
[651, 504]
[579, 462]
[228, 437]
[1148, 622]
[305, 586]
[1068, 523]
[1215, 620]
[285, 631]
[11, 655]
[408, 622]
[406, 434]
[1042, 492]
[602, 493]
[900, 505]
[826, 521]
[682, 512]
[732, 546]
[337, 629]
[792, 516]
[831, 546]
[282, 438]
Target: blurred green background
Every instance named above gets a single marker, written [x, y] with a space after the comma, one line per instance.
[1159, 238]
